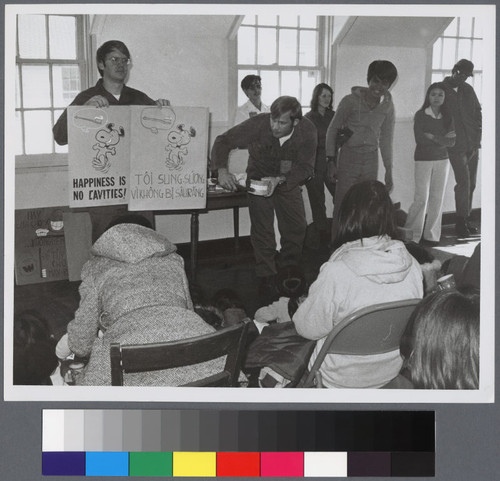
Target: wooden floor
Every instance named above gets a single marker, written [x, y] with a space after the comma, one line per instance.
[219, 267]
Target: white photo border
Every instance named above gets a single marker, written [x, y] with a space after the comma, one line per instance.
[485, 394]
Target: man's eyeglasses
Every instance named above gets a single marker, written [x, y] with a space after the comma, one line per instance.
[255, 86]
[119, 60]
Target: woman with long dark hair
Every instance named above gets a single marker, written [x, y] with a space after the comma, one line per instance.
[434, 132]
[321, 114]
[368, 267]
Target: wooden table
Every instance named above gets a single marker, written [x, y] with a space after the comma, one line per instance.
[215, 201]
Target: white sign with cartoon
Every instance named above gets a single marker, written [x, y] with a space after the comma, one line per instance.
[168, 158]
[98, 156]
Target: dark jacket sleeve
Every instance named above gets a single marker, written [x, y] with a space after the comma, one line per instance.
[60, 129]
[239, 137]
[303, 167]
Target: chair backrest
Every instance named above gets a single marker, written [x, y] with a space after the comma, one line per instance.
[372, 330]
[229, 342]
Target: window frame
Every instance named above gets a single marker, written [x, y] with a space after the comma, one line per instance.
[475, 41]
[319, 66]
[53, 158]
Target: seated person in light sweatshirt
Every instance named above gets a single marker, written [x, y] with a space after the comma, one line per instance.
[368, 267]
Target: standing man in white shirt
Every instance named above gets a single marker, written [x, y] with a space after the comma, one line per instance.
[252, 87]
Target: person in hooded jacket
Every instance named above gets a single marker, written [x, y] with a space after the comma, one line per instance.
[134, 291]
[368, 267]
[368, 115]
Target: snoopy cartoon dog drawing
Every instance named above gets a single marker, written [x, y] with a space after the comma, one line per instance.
[107, 139]
[176, 148]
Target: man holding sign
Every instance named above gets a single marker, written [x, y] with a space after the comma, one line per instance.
[282, 152]
[113, 61]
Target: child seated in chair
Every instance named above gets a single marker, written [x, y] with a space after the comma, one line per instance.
[134, 291]
[368, 267]
[292, 289]
[443, 346]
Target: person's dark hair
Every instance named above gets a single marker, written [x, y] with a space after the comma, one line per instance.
[225, 299]
[291, 282]
[465, 66]
[383, 69]
[444, 341]
[445, 109]
[365, 211]
[285, 104]
[247, 81]
[210, 315]
[318, 90]
[108, 47]
[34, 350]
[130, 219]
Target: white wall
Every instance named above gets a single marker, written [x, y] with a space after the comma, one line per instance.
[408, 94]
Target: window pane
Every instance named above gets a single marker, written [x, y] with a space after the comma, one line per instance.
[451, 31]
[270, 86]
[309, 80]
[246, 45]
[477, 57]
[464, 48]
[65, 84]
[288, 47]
[266, 46]
[18, 93]
[309, 21]
[436, 77]
[18, 146]
[249, 20]
[267, 20]
[62, 37]
[60, 149]
[436, 53]
[449, 53]
[290, 84]
[38, 132]
[478, 28]
[32, 36]
[36, 88]
[477, 83]
[308, 47]
[465, 27]
[289, 20]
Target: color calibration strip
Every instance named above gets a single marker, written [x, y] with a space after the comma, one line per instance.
[178, 443]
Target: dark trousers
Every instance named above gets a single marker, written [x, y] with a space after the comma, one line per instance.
[353, 167]
[316, 192]
[464, 165]
[289, 208]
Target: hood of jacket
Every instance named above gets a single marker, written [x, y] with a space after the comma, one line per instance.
[132, 243]
[379, 259]
[359, 91]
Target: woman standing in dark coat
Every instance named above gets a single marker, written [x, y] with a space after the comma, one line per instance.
[321, 114]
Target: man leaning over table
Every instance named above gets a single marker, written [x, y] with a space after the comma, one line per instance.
[113, 61]
[282, 149]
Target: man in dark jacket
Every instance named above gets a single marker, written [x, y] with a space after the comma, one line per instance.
[113, 60]
[466, 111]
[282, 151]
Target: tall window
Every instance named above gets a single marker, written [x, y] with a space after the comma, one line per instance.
[50, 65]
[462, 39]
[285, 50]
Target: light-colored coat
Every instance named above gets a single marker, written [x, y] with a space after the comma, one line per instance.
[134, 289]
[357, 275]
